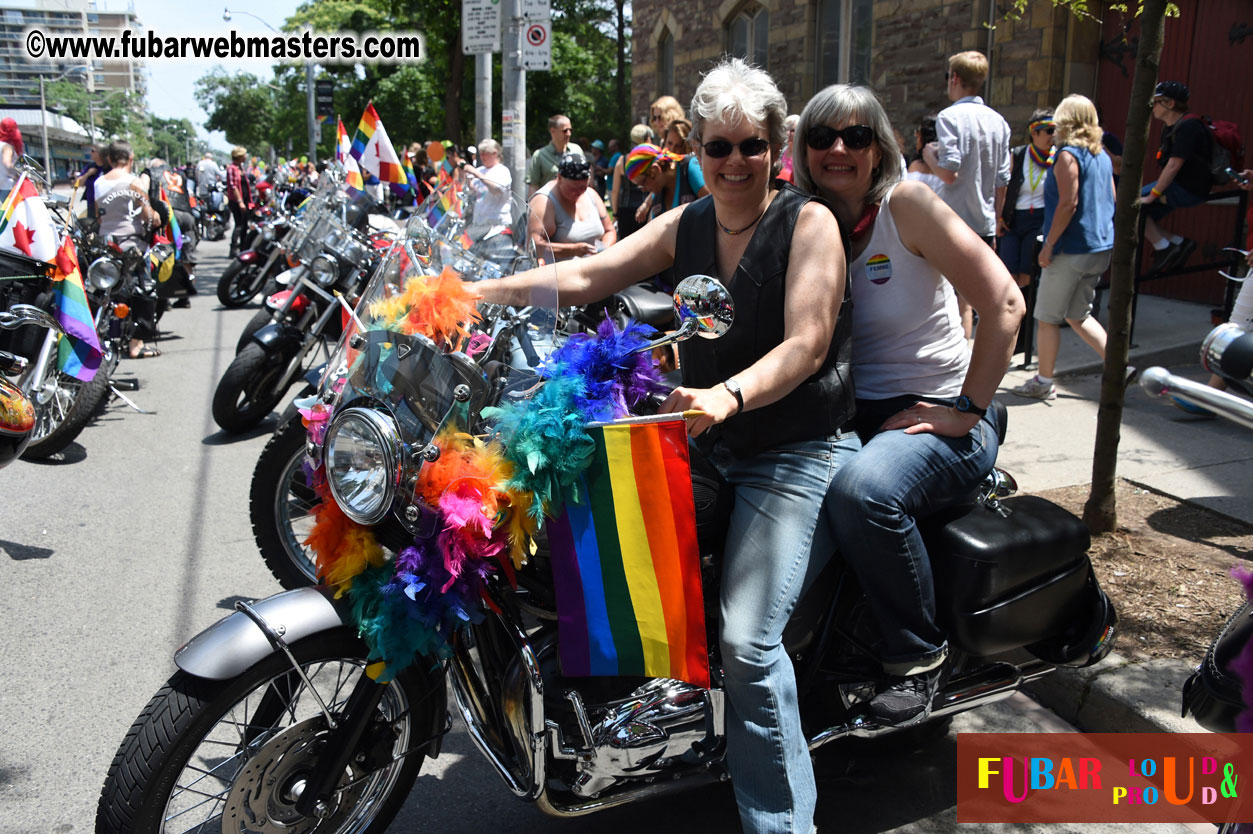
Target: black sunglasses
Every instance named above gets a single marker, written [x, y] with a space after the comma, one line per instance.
[720, 148]
[855, 137]
[1048, 130]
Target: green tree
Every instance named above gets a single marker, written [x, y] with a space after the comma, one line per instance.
[239, 105]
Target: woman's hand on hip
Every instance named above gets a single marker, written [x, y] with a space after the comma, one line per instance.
[934, 419]
[716, 405]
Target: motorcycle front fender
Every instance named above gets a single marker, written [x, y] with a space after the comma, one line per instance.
[280, 339]
[236, 642]
[249, 256]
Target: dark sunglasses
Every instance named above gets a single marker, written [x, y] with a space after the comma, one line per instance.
[720, 148]
[1048, 130]
[855, 137]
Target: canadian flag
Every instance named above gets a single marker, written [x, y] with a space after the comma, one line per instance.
[25, 225]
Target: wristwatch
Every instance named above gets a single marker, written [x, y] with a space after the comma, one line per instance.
[965, 406]
[733, 385]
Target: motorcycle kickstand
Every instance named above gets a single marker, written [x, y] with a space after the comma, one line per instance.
[127, 400]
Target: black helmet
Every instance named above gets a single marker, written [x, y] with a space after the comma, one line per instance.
[1173, 90]
[574, 166]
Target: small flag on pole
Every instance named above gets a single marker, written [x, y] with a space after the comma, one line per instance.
[373, 149]
[78, 352]
[343, 154]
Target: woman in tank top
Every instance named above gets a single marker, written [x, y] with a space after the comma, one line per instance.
[568, 219]
[922, 397]
[773, 397]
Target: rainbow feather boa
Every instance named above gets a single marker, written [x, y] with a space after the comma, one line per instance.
[489, 498]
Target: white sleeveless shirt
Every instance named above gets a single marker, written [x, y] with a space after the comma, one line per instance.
[907, 332]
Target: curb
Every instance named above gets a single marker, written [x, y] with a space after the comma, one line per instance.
[1119, 696]
[1177, 354]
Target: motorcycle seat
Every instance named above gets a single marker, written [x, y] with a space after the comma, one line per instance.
[647, 305]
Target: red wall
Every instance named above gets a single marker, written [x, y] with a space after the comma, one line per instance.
[1200, 52]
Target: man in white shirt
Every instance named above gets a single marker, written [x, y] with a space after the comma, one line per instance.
[971, 152]
[207, 173]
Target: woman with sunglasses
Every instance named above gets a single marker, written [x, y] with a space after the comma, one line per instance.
[922, 395]
[568, 219]
[774, 400]
[1023, 214]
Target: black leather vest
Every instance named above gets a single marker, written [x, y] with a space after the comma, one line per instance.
[820, 405]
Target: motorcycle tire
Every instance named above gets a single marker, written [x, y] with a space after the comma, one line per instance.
[280, 505]
[190, 741]
[249, 389]
[258, 321]
[239, 284]
[63, 408]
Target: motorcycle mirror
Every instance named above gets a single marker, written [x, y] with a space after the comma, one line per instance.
[703, 307]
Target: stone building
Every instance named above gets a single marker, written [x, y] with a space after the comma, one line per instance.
[899, 46]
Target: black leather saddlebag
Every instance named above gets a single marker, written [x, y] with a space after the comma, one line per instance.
[1009, 578]
[1214, 695]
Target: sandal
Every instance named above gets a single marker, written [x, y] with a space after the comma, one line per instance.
[145, 352]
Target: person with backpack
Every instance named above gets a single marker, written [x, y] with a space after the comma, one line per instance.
[159, 177]
[1185, 180]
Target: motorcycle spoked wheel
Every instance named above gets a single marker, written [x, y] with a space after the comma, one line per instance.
[249, 389]
[230, 755]
[63, 408]
[281, 504]
[259, 320]
[239, 284]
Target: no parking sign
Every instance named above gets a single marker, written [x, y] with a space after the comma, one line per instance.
[537, 48]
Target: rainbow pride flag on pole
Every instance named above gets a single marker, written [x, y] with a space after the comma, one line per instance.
[626, 564]
[78, 353]
[343, 154]
[373, 149]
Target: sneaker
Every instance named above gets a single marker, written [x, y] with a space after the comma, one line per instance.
[182, 303]
[1161, 257]
[1178, 254]
[906, 701]
[1036, 390]
[1195, 410]
[1132, 374]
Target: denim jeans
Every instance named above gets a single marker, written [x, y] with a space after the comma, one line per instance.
[872, 506]
[778, 501]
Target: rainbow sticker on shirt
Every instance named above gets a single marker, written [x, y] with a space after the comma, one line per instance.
[879, 269]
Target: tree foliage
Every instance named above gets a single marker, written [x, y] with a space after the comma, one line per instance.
[240, 105]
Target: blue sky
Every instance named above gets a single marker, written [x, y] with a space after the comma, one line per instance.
[171, 84]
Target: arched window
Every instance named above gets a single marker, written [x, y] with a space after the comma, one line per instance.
[845, 30]
[748, 35]
[665, 63]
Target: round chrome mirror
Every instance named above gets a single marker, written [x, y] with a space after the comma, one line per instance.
[706, 303]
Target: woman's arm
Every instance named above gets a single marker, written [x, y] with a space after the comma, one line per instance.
[816, 276]
[582, 281]
[933, 231]
[617, 185]
[1066, 172]
[610, 237]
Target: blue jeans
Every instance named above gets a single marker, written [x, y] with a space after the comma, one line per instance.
[1175, 196]
[778, 501]
[872, 506]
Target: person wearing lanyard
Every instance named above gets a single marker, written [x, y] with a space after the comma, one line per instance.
[1022, 217]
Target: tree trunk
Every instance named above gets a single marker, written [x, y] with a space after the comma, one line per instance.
[452, 97]
[624, 106]
[1100, 512]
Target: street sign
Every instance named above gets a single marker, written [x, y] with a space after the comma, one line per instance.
[536, 10]
[537, 45]
[480, 26]
[324, 91]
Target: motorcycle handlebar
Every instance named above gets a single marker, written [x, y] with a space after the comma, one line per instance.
[1159, 382]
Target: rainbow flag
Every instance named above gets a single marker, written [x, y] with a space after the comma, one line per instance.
[176, 234]
[79, 353]
[447, 203]
[411, 184]
[343, 154]
[373, 149]
[626, 564]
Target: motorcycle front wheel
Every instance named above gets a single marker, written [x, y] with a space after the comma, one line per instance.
[259, 320]
[239, 283]
[63, 408]
[234, 755]
[249, 389]
[280, 504]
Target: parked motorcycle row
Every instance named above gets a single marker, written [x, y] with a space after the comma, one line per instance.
[276, 720]
[123, 284]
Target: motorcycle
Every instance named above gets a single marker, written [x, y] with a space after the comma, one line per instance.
[259, 262]
[278, 709]
[1214, 693]
[17, 412]
[213, 215]
[334, 259]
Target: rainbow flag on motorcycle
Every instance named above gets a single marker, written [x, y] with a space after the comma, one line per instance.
[78, 352]
[343, 155]
[373, 149]
[176, 234]
[626, 565]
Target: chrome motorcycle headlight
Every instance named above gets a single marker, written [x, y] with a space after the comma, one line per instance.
[324, 270]
[362, 452]
[104, 273]
[267, 231]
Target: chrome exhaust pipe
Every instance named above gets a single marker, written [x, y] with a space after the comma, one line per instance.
[994, 683]
[681, 780]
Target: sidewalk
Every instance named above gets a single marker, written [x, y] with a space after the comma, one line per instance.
[1206, 462]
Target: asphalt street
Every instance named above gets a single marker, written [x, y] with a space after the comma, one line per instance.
[138, 537]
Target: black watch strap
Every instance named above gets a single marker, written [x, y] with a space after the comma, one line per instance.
[966, 406]
[733, 385]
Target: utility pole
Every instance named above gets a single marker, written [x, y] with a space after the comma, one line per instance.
[513, 91]
[311, 114]
[43, 126]
[482, 96]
